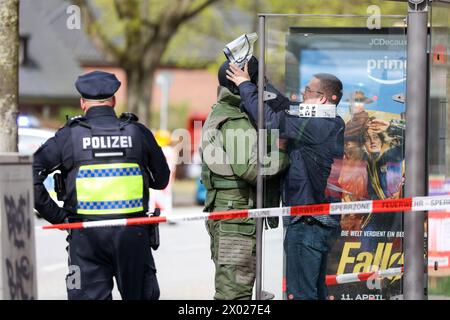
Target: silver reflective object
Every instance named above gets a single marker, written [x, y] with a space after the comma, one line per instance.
[240, 50]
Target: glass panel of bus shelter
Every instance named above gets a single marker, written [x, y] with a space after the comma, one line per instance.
[371, 64]
[439, 152]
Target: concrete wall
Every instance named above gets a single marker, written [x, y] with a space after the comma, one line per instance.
[17, 247]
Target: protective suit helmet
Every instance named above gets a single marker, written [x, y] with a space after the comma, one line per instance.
[252, 70]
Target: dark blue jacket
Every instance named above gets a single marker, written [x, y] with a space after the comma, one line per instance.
[313, 144]
[57, 154]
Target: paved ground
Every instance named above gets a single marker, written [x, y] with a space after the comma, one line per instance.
[185, 270]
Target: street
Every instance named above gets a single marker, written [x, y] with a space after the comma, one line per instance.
[185, 270]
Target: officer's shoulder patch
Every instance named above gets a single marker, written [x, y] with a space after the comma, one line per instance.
[128, 116]
[75, 120]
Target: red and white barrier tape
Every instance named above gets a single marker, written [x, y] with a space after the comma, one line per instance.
[363, 276]
[430, 203]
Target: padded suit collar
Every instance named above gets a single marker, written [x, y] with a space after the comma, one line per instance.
[226, 96]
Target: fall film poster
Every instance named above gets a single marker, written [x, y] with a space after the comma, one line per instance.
[372, 68]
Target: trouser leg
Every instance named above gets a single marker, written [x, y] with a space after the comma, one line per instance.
[306, 247]
[322, 290]
[134, 264]
[90, 270]
[234, 282]
[329, 236]
[233, 250]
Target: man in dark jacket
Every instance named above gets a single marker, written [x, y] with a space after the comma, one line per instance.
[312, 145]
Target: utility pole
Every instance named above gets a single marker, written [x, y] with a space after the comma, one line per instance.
[261, 152]
[164, 80]
[416, 148]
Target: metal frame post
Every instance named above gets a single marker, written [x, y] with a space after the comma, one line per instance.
[416, 150]
[261, 152]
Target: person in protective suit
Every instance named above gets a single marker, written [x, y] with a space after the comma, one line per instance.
[229, 172]
[312, 144]
[107, 166]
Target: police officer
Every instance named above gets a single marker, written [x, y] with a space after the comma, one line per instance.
[229, 134]
[107, 166]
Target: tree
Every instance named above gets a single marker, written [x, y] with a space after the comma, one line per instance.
[140, 35]
[333, 6]
[134, 34]
[9, 48]
[226, 20]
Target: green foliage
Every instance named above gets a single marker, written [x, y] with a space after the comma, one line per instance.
[442, 288]
[133, 15]
[64, 112]
[335, 6]
[191, 46]
[226, 20]
[109, 21]
[140, 35]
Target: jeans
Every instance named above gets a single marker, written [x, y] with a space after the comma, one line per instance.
[306, 247]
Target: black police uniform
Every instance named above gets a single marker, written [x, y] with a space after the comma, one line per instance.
[101, 140]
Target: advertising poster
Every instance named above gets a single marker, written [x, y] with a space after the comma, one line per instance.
[372, 68]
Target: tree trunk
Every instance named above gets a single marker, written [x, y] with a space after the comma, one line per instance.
[140, 85]
[9, 80]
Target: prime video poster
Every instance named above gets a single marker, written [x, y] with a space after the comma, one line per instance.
[372, 68]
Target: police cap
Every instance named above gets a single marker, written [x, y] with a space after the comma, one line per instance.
[97, 85]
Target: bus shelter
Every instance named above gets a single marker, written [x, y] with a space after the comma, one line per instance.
[394, 71]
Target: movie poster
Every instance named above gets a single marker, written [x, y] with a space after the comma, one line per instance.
[372, 68]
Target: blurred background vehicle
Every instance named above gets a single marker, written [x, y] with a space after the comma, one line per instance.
[31, 137]
[201, 192]
[28, 121]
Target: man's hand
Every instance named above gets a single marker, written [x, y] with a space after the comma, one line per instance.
[237, 75]
[282, 144]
